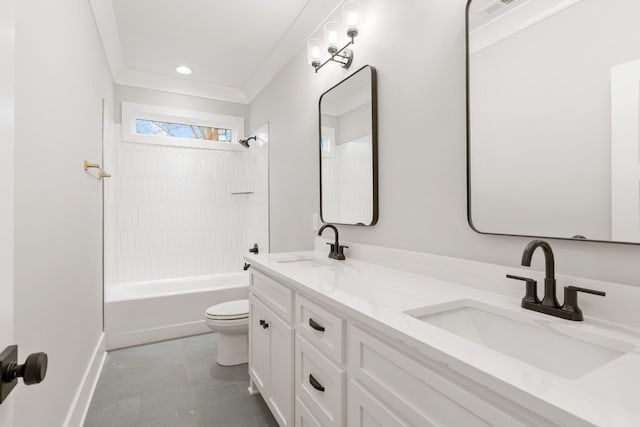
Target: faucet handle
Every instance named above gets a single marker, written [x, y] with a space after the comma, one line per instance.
[531, 296]
[575, 289]
[340, 251]
[571, 300]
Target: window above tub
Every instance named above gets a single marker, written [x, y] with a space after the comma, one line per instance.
[151, 124]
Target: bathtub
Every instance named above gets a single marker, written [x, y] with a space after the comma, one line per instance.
[145, 312]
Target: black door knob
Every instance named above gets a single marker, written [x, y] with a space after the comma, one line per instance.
[33, 371]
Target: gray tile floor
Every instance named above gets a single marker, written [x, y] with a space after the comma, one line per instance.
[175, 384]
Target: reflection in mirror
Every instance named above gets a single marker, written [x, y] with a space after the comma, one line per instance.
[554, 118]
[348, 151]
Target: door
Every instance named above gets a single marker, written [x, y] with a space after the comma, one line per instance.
[625, 152]
[7, 103]
[259, 346]
[281, 369]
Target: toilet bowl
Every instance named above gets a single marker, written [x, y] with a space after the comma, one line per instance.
[231, 321]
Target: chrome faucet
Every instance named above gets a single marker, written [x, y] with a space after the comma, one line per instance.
[549, 304]
[337, 250]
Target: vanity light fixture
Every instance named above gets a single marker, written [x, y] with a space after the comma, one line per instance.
[351, 16]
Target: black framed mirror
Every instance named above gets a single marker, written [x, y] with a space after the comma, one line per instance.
[349, 150]
[553, 114]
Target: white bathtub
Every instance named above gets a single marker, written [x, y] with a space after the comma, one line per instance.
[144, 312]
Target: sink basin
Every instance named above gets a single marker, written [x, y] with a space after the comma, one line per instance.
[304, 262]
[551, 345]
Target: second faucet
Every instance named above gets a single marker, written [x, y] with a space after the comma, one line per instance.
[337, 250]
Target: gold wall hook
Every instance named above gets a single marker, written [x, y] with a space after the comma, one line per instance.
[101, 172]
[88, 165]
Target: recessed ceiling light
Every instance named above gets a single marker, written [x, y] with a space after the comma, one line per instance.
[184, 70]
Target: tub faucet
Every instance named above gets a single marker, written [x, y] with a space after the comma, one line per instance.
[337, 250]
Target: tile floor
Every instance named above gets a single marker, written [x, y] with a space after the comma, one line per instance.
[175, 384]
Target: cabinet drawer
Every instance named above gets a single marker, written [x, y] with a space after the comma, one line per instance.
[421, 395]
[277, 297]
[304, 418]
[319, 384]
[323, 330]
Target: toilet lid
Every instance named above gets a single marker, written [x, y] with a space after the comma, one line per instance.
[238, 309]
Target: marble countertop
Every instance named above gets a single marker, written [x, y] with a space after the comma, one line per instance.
[379, 296]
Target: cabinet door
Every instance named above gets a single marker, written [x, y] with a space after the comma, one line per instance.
[366, 411]
[281, 370]
[259, 354]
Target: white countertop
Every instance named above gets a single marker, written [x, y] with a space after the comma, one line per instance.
[378, 296]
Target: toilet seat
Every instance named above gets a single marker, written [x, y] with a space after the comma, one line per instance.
[228, 311]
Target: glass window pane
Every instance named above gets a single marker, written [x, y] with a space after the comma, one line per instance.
[182, 130]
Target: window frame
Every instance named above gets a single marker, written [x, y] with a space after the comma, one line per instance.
[131, 112]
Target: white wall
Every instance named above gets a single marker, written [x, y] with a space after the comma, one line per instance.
[556, 144]
[354, 124]
[7, 76]
[61, 79]
[418, 49]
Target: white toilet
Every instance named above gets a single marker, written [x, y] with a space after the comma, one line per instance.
[231, 321]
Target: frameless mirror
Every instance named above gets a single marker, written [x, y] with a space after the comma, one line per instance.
[554, 118]
[348, 151]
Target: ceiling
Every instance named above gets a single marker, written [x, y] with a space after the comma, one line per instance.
[234, 47]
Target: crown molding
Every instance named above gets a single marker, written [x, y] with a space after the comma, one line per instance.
[107, 25]
[176, 85]
[304, 26]
[515, 20]
[295, 38]
[105, 19]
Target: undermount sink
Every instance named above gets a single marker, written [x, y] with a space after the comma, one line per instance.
[552, 345]
[304, 262]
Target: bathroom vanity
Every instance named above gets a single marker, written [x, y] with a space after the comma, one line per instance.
[335, 343]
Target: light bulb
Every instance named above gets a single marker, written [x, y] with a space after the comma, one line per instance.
[351, 15]
[331, 36]
[314, 48]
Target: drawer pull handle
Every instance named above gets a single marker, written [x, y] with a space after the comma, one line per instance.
[316, 325]
[264, 324]
[315, 384]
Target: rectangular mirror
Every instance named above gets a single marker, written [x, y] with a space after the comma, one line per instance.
[554, 118]
[349, 151]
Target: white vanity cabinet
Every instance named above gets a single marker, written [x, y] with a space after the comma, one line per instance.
[318, 367]
[271, 346]
[391, 388]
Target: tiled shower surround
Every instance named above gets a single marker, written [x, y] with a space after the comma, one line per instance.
[345, 175]
[170, 211]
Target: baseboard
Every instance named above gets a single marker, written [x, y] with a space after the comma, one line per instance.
[162, 333]
[81, 401]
